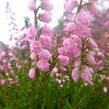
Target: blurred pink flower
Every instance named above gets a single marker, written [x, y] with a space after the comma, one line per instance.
[46, 5]
[45, 55]
[63, 60]
[71, 48]
[70, 5]
[91, 43]
[55, 70]
[45, 40]
[32, 73]
[90, 56]
[83, 17]
[43, 65]
[77, 62]
[75, 74]
[47, 31]
[33, 56]
[86, 75]
[45, 17]
[35, 47]
[31, 33]
[32, 5]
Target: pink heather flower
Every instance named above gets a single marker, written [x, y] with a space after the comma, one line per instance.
[93, 9]
[10, 81]
[63, 60]
[91, 70]
[32, 5]
[99, 64]
[4, 61]
[31, 33]
[45, 55]
[46, 5]
[61, 50]
[24, 47]
[100, 55]
[83, 17]
[68, 27]
[77, 62]
[71, 48]
[33, 56]
[1, 68]
[45, 17]
[70, 5]
[81, 30]
[86, 75]
[45, 40]
[63, 68]
[105, 89]
[35, 47]
[91, 43]
[47, 31]
[2, 54]
[75, 74]
[43, 65]
[32, 73]
[90, 57]
[77, 40]
[2, 82]
[55, 70]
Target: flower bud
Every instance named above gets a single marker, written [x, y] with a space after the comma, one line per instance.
[32, 73]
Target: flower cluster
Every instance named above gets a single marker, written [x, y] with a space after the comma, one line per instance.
[70, 54]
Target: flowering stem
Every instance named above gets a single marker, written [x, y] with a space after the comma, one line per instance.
[80, 6]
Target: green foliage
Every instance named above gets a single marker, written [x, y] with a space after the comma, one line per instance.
[43, 93]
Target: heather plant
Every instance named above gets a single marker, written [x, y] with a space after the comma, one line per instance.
[57, 69]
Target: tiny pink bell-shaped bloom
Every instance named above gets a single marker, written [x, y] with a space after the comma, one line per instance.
[90, 57]
[32, 73]
[45, 40]
[45, 55]
[33, 56]
[43, 65]
[75, 74]
[55, 70]
[45, 17]
[63, 60]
